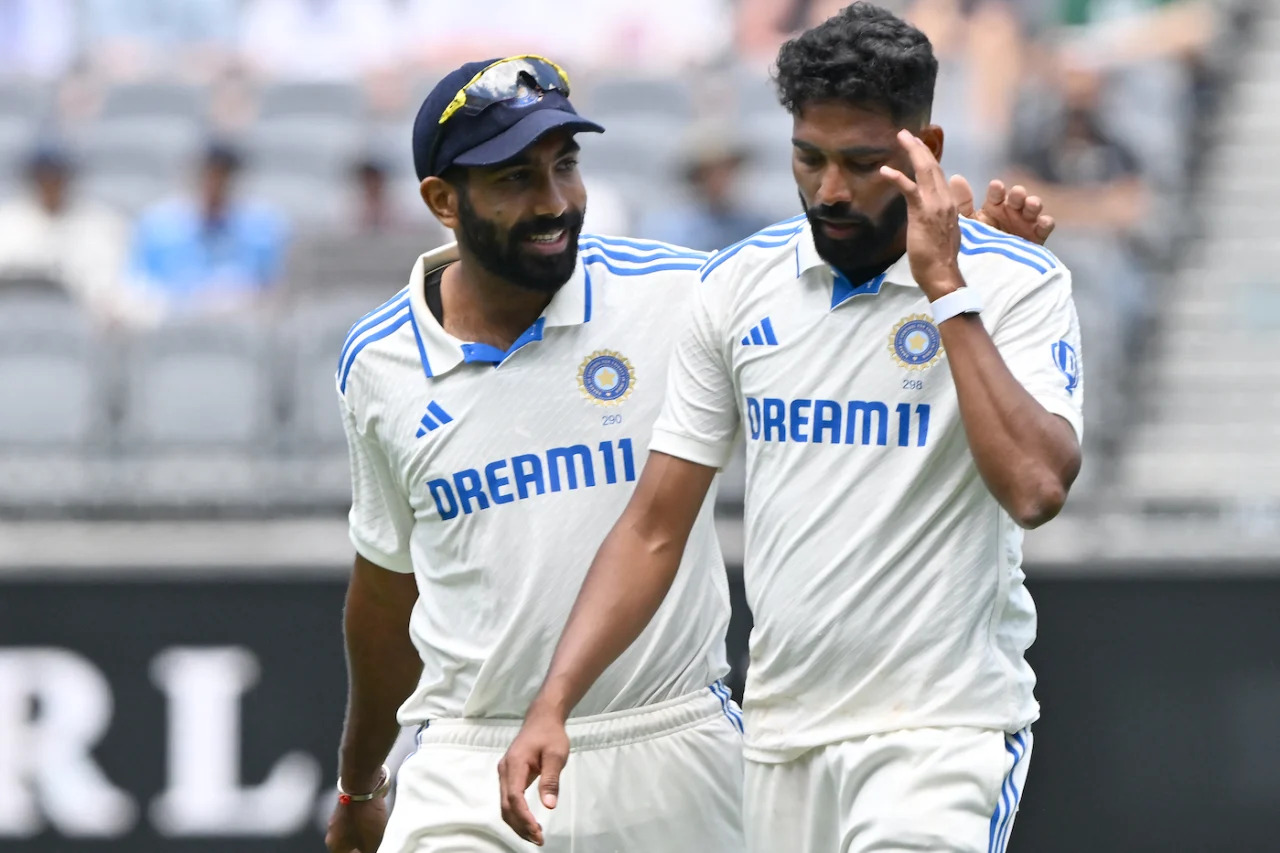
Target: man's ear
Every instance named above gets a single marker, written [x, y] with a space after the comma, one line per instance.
[441, 198]
[931, 135]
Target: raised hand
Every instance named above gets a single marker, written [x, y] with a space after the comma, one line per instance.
[1014, 212]
[933, 219]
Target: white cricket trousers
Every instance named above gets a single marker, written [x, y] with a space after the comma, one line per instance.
[946, 790]
[666, 778]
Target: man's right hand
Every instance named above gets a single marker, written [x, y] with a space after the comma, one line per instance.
[540, 750]
[357, 827]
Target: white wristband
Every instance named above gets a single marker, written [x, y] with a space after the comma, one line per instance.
[963, 301]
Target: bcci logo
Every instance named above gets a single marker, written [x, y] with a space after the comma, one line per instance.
[915, 342]
[606, 377]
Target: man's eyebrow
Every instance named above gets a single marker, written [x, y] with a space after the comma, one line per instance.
[852, 151]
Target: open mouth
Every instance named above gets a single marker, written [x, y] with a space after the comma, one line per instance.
[549, 242]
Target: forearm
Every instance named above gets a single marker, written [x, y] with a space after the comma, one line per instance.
[627, 580]
[383, 668]
[623, 589]
[1027, 456]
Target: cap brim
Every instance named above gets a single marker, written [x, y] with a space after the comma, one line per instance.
[522, 134]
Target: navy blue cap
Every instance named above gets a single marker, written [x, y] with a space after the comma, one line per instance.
[497, 134]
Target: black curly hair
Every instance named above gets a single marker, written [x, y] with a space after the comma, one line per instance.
[863, 55]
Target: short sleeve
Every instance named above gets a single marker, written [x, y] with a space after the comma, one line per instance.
[1039, 339]
[699, 420]
[381, 518]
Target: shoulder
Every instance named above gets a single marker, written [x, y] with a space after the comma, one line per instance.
[1002, 259]
[383, 330]
[627, 256]
[762, 250]
[616, 265]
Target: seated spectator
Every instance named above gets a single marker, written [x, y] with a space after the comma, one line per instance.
[373, 211]
[1095, 187]
[213, 252]
[49, 234]
[713, 217]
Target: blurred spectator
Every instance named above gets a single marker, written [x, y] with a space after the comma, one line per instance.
[330, 40]
[50, 235]
[214, 252]
[192, 39]
[1094, 186]
[373, 210]
[713, 217]
[979, 46]
[654, 36]
[37, 37]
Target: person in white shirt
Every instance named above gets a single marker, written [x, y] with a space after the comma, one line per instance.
[52, 234]
[908, 383]
[496, 411]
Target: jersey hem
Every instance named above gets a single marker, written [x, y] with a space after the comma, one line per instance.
[783, 754]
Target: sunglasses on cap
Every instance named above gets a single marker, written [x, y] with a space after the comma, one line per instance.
[517, 80]
[508, 80]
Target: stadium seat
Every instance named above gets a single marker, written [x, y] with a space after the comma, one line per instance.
[294, 100]
[198, 384]
[316, 331]
[51, 373]
[155, 98]
[17, 135]
[354, 270]
[25, 99]
[159, 146]
[127, 192]
[307, 201]
[635, 96]
[319, 147]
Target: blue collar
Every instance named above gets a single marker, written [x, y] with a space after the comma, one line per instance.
[476, 352]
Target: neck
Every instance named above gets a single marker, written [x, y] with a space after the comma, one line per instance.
[481, 307]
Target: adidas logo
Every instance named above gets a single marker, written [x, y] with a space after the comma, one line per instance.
[761, 334]
[435, 418]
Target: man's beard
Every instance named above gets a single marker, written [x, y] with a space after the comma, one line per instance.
[868, 252]
[506, 255]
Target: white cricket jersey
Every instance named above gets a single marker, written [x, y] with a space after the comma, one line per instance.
[884, 579]
[495, 476]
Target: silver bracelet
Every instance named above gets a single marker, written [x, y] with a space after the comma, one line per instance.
[384, 785]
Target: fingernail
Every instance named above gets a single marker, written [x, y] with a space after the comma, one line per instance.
[549, 801]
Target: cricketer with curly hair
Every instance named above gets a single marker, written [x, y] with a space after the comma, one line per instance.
[909, 387]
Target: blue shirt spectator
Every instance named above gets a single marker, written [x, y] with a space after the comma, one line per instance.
[211, 251]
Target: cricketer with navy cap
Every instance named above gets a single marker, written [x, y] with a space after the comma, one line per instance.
[498, 411]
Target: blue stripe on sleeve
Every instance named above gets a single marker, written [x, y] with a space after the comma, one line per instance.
[595, 257]
[996, 250]
[377, 336]
[372, 319]
[978, 232]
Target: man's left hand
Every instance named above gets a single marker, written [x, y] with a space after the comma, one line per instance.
[1013, 211]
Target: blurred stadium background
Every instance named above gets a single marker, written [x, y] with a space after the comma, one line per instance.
[173, 478]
